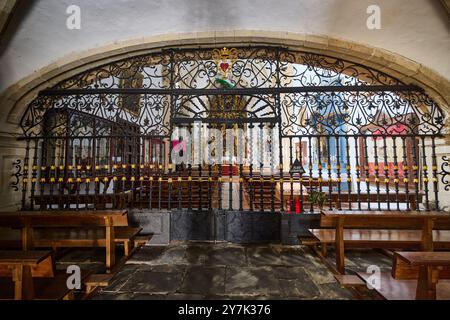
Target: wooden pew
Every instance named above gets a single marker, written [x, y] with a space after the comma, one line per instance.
[87, 229]
[383, 229]
[415, 275]
[392, 289]
[69, 237]
[430, 269]
[27, 275]
[22, 266]
[382, 238]
[403, 269]
[88, 237]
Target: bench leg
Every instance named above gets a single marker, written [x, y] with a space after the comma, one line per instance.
[27, 238]
[27, 284]
[323, 248]
[126, 248]
[17, 279]
[110, 248]
[23, 283]
[426, 288]
[340, 257]
[427, 235]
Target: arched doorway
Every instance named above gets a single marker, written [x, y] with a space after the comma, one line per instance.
[297, 131]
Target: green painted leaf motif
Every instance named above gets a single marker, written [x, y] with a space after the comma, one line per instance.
[225, 83]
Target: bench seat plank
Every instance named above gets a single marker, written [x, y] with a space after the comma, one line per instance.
[88, 237]
[57, 218]
[425, 258]
[385, 219]
[392, 289]
[95, 234]
[382, 238]
[23, 257]
[349, 281]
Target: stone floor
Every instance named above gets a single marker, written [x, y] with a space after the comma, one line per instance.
[231, 271]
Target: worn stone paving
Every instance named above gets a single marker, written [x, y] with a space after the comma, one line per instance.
[229, 271]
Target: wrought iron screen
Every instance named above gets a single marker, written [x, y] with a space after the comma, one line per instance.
[333, 133]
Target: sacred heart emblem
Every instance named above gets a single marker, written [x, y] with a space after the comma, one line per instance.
[224, 59]
[224, 66]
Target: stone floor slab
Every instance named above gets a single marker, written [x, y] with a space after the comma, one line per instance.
[230, 271]
[227, 256]
[263, 256]
[204, 280]
[153, 282]
[252, 281]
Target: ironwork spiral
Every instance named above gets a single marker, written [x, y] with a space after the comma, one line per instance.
[338, 111]
[445, 172]
[17, 174]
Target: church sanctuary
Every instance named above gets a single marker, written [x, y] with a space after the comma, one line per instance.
[224, 150]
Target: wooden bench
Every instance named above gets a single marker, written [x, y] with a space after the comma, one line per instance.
[415, 275]
[349, 280]
[402, 269]
[428, 268]
[376, 231]
[88, 237]
[393, 289]
[381, 238]
[69, 237]
[87, 229]
[26, 275]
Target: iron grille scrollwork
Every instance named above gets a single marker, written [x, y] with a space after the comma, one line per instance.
[105, 136]
[128, 90]
[375, 113]
[445, 172]
[17, 174]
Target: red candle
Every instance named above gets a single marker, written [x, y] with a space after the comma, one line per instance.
[297, 206]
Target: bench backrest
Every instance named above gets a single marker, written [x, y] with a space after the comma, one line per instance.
[393, 222]
[98, 218]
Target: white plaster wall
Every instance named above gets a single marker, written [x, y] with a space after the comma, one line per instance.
[416, 29]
